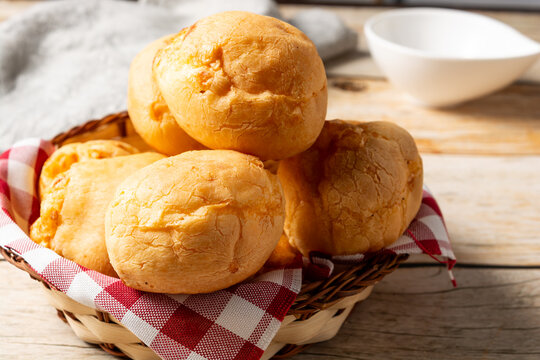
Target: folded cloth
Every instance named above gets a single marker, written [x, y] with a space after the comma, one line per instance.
[64, 62]
[235, 323]
[327, 31]
[202, 8]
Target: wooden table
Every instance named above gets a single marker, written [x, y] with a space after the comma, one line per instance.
[482, 161]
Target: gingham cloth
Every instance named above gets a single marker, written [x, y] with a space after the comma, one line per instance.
[236, 323]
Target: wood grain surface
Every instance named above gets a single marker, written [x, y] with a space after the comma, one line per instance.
[29, 326]
[505, 123]
[413, 313]
[481, 160]
[491, 206]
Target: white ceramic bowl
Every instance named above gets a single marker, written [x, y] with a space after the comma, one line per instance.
[444, 57]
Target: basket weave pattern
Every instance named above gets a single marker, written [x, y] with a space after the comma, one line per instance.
[317, 314]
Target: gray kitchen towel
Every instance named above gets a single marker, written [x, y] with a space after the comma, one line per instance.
[202, 8]
[65, 62]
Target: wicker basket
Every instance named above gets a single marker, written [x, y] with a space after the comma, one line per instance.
[316, 315]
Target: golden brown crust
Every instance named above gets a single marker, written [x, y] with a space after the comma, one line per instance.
[72, 213]
[355, 190]
[148, 110]
[194, 223]
[62, 159]
[282, 255]
[245, 82]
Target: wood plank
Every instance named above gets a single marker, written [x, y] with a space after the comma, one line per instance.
[491, 206]
[413, 313]
[30, 325]
[505, 123]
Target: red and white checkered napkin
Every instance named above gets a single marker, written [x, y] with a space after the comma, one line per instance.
[236, 323]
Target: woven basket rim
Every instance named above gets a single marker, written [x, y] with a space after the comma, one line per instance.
[313, 297]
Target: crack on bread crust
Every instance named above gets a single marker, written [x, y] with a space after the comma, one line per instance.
[238, 87]
[359, 182]
[211, 216]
